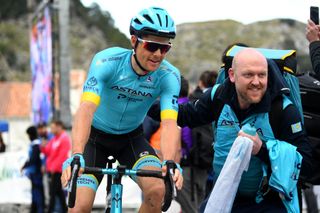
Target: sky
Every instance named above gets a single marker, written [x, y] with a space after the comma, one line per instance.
[186, 11]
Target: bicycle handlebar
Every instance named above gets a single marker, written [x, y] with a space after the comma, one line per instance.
[170, 192]
[168, 181]
[75, 165]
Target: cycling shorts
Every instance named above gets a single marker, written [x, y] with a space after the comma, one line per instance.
[130, 149]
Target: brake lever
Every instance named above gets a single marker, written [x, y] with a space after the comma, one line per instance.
[174, 190]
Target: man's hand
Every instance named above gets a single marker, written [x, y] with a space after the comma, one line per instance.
[312, 31]
[66, 169]
[177, 176]
[257, 143]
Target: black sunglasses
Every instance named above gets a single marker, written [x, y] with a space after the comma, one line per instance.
[153, 46]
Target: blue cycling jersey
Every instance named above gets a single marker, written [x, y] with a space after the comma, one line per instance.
[123, 97]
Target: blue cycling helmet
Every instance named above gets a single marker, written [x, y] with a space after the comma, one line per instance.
[153, 21]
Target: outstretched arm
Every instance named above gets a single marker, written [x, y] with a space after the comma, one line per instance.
[197, 113]
[313, 36]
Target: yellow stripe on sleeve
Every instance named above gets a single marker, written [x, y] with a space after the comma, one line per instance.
[169, 114]
[92, 97]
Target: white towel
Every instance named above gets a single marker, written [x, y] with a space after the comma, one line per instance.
[223, 194]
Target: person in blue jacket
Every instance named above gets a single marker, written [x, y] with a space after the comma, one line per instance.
[32, 168]
[249, 96]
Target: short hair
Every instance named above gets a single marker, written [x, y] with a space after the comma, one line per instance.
[32, 132]
[184, 91]
[58, 123]
[42, 124]
[208, 78]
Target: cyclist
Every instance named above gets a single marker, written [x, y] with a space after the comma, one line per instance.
[120, 88]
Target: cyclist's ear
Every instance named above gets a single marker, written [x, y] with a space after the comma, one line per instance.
[133, 41]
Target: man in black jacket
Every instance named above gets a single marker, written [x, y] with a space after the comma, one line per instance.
[313, 36]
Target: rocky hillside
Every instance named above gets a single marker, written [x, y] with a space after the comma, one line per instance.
[90, 30]
[197, 47]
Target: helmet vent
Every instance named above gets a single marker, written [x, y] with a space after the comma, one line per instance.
[159, 19]
[166, 21]
[137, 21]
[148, 18]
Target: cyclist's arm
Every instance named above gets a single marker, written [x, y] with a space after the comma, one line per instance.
[170, 139]
[170, 89]
[82, 125]
[99, 73]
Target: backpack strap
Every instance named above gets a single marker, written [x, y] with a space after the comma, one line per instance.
[275, 115]
[218, 105]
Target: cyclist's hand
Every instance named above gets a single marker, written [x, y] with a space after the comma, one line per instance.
[66, 169]
[177, 176]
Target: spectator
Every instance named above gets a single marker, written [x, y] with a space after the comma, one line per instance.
[43, 132]
[313, 36]
[246, 97]
[56, 151]
[202, 136]
[45, 136]
[32, 169]
[207, 79]
[2, 144]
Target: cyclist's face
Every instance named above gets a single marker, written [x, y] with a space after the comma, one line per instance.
[150, 60]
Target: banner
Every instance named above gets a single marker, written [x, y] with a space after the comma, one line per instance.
[41, 67]
[15, 188]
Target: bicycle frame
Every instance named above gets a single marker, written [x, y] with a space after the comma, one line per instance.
[116, 187]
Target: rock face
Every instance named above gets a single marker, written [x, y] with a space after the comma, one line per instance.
[199, 46]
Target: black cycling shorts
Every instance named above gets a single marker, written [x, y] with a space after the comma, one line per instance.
[130, 149]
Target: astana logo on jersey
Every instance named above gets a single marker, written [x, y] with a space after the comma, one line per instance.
[131, 91]
[92, 82]
[90, 85]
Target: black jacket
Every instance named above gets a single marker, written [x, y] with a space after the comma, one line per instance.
[314, 49]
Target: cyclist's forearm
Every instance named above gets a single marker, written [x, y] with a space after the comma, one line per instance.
[170, 139]
[81, 127]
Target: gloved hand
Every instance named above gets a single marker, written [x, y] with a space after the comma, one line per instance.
[69, 161]
[173, 164]
[175, 171]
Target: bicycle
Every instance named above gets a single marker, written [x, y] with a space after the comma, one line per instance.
[114, 200]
